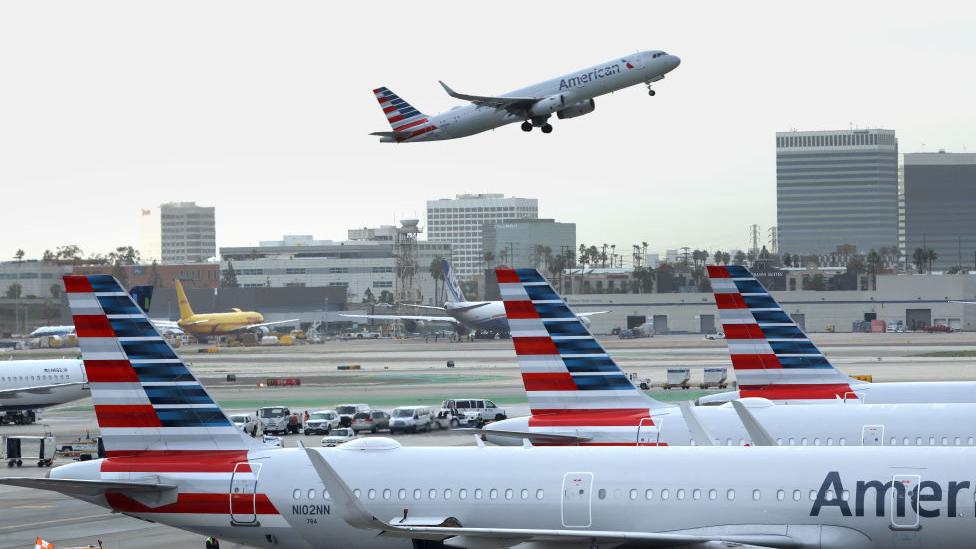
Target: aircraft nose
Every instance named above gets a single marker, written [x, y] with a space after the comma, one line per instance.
[675, 61]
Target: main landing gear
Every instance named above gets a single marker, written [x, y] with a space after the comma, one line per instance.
[527, 127]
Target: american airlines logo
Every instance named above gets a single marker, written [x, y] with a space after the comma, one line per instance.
[926, 499]
[586, 77]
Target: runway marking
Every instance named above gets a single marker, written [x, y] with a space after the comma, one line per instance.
[31, 506]
[54, 520]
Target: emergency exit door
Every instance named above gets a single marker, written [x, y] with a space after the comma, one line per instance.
[243, 488]
[872, 435]
[577, 497]
[648, 433]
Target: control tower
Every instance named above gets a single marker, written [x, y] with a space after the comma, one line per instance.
[407, 267]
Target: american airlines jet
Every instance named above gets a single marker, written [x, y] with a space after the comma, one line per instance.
[578, 395]
[567, 96]
[175, 459]
[774, 359]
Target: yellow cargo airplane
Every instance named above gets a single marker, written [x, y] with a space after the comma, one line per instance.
[218, 324]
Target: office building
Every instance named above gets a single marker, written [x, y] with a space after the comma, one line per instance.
[528, 243]
[836, 187]
[462, 219]
[150, 236]
[187, 233]
[940, 207]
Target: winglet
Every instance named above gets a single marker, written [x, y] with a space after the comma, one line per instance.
[759, 435]
[699, 434]
[449, 91]
[346, 503]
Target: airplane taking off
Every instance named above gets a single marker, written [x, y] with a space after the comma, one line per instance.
[578, 395]
[467, 316]
[567, 96]
[207, 325]
[774, 359]
[174, 458]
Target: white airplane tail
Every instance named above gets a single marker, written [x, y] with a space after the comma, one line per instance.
[564, 368]
[147, 402]
[771, 355]
[451, 281]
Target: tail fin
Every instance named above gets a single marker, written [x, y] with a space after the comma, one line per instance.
[771, 355]
[451, 281]
[146, 400]
[564, 368]
[185, 310]
[400, 114]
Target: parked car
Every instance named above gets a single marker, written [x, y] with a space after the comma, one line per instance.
[410, 419]
[278, 419]
[371, 421]
[716, 335]
[338, 436]
[274, 441]
[321, 421]
[627, 334]
[347, 411]
[938, 328]
[247, 423]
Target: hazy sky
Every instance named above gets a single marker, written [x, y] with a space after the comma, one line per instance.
[263, 109]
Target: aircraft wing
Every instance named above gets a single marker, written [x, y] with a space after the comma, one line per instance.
[351, 509]
[514, 105]
[250, 326]
[534, 438]
[406, 317]
[593, 313]
[394, 135]
[431, 307]
[36, 390]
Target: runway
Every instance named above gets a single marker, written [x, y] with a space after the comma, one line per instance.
[408, 372]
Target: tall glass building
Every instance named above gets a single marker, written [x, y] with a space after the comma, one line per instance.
[940, 207]
[836, 187]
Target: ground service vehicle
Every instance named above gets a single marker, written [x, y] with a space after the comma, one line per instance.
[278, 419]
[410, 419]
[246, 423]
[348, 411]
[321, 421]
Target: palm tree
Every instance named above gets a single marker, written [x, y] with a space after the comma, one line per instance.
[787, 260]
[555, 268]
[918, 258]
[874, 261]
[489, 258]
[582, 259]
[19, 256]
[931, 256]
[436, 270]
[740, 258]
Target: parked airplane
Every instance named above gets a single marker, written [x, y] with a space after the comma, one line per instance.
[774, 359]
[578, 395]
[466, 316]
[174, 458]
[207, 325]
[567, 96]
[141, 294]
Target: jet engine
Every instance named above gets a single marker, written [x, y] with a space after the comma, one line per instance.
[262, 331]
[413, 325]
[548, 105]
[577, 109]
[585, 320]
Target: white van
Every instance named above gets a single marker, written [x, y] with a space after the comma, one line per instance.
[465, 411]
[348, 411]
[410, 419]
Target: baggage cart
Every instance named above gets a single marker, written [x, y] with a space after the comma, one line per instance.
[678, 377]
[19, 445]
[715, 377]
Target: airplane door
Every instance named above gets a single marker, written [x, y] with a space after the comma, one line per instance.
[904, 502]
[243, 486]
[648, 434]
[577, 488]
[872, 435]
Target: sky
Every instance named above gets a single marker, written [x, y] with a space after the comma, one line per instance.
[263, 110]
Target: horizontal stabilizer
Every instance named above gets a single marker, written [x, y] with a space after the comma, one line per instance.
[394, 135]
[151, 494]
[534, 438]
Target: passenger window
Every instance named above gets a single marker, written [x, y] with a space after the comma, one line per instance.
[371, 493]
[477, 493]
[648, 494]
[602, 494]
[931, 441]
[893, 441]
[297, 494]
[906, 441]
[401, 493]
[816, 442]
[463, 493]
[493, 493]
[803, 441]
[797, 495]
[730, 494]
[813, 495]
[945, 441]
[633, 493]
[845, 495]
[325, 495]
[830, 441]
[416, 493]
[970, 441]
[356, 492]
[524, 494]
[957, 441]
[843, 442]
[311, 493]
[728, 442]
[539, 494]
[680, 494]
[779, 442]
[509, 493]
[918, 441]
[756, 494]
[665, 494]
[696, 494]
[447, 493]
[432, 494]
[780, 495]
[792, 442]
[387, 493]
[712, 494]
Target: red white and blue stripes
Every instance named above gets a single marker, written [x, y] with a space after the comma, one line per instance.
[564, 368]
[771, 355]
[402, 116]
[146, 400]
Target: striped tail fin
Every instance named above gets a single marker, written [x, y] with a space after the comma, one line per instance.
[451, 281]
[400, 114]
[564, 368]
[771, 355]
[147, 401]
